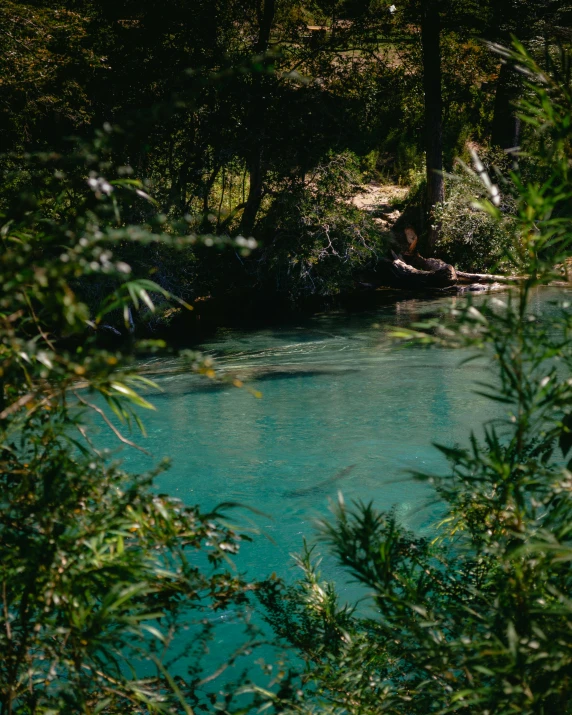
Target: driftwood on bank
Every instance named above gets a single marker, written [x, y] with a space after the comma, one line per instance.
[411, 270]
[483, 278]
[412, 277]
[418, 273]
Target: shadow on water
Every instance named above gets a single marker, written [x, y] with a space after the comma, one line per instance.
[322, 486]
[205, 385]
[265, 376]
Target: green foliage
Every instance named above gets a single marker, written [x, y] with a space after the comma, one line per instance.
[474, 615]
[99, 575]
[316, 238]
[469, 238]
[46, 62]
[261, 110]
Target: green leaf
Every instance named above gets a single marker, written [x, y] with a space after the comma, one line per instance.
[132, 395]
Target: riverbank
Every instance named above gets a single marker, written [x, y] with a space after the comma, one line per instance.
[250, 310]
[399, 274]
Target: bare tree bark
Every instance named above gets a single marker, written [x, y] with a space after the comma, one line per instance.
[265, 11]
[208, 186]
[431, 45]
[252, 205]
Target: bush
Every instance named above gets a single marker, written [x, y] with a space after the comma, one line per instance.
[471, 239]
[98, 573]
[316, 239]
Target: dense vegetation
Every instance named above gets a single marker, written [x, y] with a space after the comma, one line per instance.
[242, 120]
[475, 616]
[216, 147]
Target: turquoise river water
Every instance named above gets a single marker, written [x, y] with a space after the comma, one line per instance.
[341, 410]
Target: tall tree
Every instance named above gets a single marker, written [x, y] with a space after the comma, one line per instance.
[532, 23]
[257, 117]
[431, 44]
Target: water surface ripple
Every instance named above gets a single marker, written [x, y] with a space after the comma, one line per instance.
[341, 410]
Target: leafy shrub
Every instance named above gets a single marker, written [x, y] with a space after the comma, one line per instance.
[98, 573]
[471, 239]
[316, 239]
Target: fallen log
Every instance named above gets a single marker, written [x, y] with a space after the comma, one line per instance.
[415, 272]
[411, 277]
[431, 265]
[410, 270]
[467, 278]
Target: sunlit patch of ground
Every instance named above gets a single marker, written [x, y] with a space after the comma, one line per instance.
[379, 200]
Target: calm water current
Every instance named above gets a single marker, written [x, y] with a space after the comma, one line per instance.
[341, 409]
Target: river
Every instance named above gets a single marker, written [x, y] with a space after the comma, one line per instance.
[340, 410]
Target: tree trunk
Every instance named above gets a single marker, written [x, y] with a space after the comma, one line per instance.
[430, 40]
[506, 125]
[252, 205]
[411, 277]
[265, 11]
[206, 189]
[257, 121]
